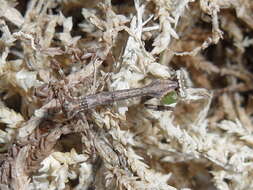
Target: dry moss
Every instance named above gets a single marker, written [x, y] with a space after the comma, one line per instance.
[50, 48]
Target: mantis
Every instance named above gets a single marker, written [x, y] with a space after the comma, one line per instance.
[165, 89]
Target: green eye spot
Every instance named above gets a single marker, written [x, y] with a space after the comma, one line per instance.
[169, 98]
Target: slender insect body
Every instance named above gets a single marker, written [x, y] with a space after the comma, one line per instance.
[156, 89]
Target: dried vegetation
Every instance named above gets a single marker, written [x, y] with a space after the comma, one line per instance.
[50, 48]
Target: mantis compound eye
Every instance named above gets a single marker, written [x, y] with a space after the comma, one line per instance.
[170, 98]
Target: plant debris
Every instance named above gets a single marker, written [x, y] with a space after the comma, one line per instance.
[58, 52]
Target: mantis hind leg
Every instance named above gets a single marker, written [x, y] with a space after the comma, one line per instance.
[159, 107]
